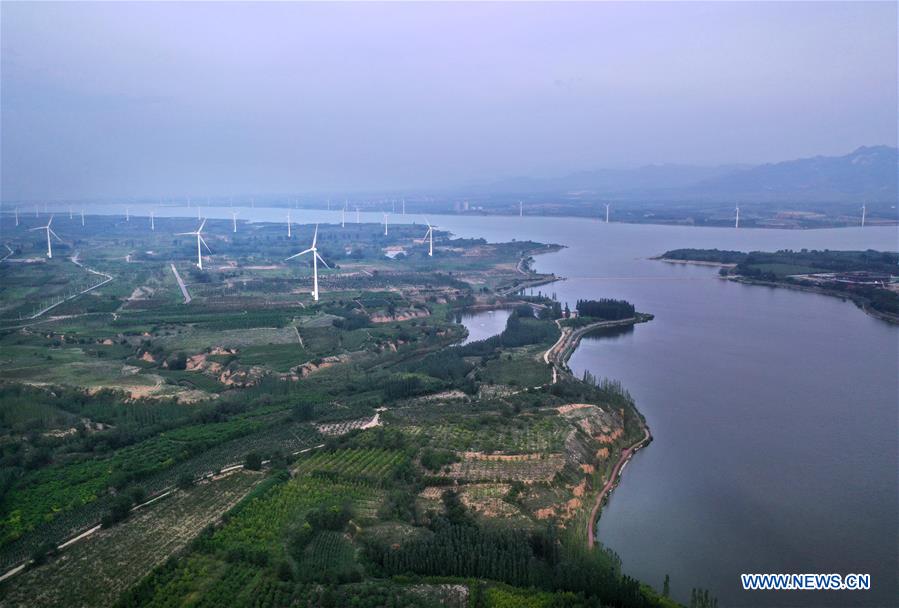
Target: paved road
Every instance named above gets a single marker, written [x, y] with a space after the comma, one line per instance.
[181, 285]
[106, 279]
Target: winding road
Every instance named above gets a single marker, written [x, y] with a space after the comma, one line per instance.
[626, 455]
[557, 356]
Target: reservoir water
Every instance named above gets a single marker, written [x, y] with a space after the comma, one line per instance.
[775, 413]
[484, 324]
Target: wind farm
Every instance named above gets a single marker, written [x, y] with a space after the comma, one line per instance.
[585, 234]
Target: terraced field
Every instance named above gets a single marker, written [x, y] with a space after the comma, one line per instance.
[524, 436]
[528, 468]
[371, 464]
[260, 525]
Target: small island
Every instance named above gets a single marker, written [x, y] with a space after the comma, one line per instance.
[869, 278]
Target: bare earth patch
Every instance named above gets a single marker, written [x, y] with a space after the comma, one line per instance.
[528, 468]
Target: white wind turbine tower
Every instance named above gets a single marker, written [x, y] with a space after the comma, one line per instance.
[864, 211]
[70, 211]
[316, 258]
[198, 234]
[234, 221]
[49, 232]
[343, 217]
[17, 216]
[607, 213]
[153, 220]
[385, 224]
[82, 217]
[127, 214]
[35, 211]
[737, 220]
[404, 206]
[288, 223]
[429, 235]
[520, 209]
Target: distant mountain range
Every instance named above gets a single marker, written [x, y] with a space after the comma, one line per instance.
[867, 174]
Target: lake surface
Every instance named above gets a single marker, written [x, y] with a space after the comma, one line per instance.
[775, 413]
[484, 324]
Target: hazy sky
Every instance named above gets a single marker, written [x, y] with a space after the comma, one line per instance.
[167, 99]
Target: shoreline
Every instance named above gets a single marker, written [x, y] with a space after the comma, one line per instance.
[694, 262]
[557, 356]
[860, 302]
[110, 209]
[614, 478]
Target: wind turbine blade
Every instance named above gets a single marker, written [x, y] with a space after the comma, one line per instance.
[296, 255]
[50, 222]
[203, 223]
[204, 243]
[314, 236]
[54, 234]
[185, 233]
[322, 260]
[38, 228]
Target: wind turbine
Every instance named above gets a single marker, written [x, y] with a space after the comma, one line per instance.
[316, 258]
[82, 217]
[357, 215]
[152, 220]
[737, 220]
[288, 223]
[430, 236]
[343, 217]
[404, 206]
[49, 232]
[198, 234]
[607, 213]
[864, 211]
[127, 214]
[70, 211]
[17, 216]
[385, 224]
[234, 221]
[520, 209]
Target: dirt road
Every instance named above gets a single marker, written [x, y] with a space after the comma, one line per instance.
[626, 455]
